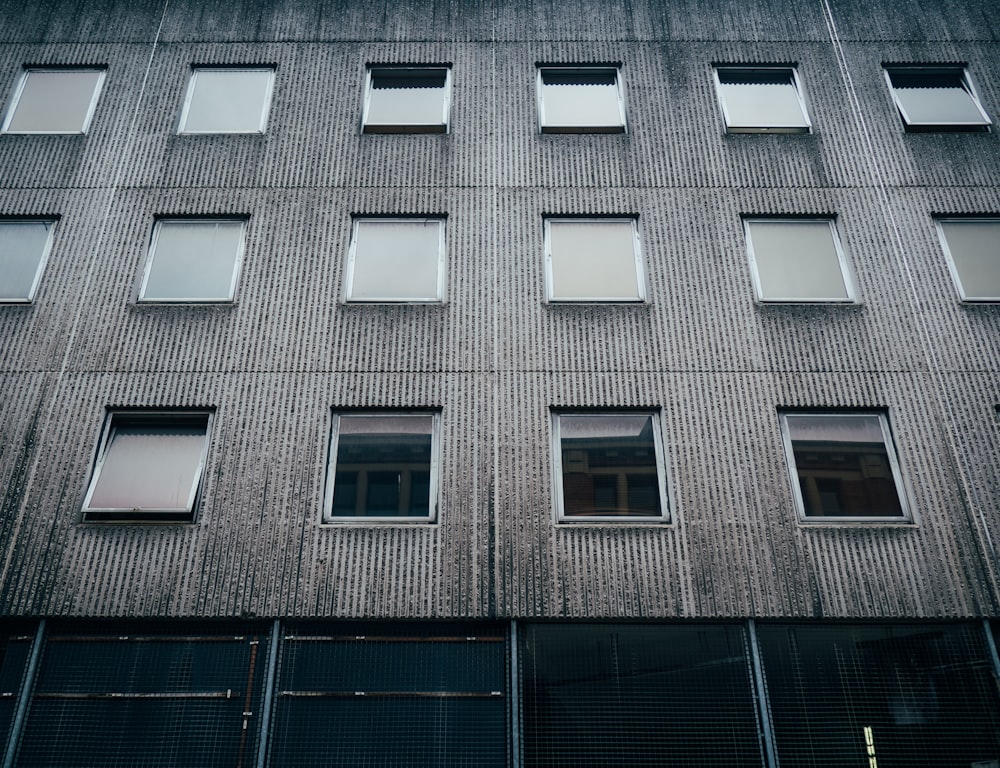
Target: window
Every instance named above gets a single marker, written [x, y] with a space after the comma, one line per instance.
[933, 98]
[607, 467]
[972, 246]
[406, 99]
[193, 260]
[761, 100]
[54, 101]
[233, 100]
[593, 260]
[843, 466]
[24, 247]
[149, 467]
[580, 100]
[797, 260]
[396, 260]
[383, 467]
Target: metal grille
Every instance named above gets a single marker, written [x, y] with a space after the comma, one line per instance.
[399, 695]
[599, 695]
[157, 696]
[881, 696]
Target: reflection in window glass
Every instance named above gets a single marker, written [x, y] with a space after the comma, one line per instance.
[593, 260]
[797, 260]
[407, 100]
[193, 260]
[580, 100]
[936, 99]
[973, 250]
[24, 246]
[227, 101]
[761, 99]
[608, 466]
[384, 467]
[396, 260]
[843, 465]
[54, 101]
[149, 467]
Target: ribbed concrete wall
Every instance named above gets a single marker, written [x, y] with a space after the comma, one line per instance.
[494, 357]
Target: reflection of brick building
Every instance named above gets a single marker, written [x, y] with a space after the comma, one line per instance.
[515, 384]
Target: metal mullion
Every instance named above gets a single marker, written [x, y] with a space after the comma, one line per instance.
[24, 698]
[132, 696]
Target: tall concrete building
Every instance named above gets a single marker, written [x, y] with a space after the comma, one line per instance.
[515, 383]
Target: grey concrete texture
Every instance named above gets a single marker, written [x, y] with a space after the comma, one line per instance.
[495, 357]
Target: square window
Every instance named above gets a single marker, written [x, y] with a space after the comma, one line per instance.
[383, 467]
[843, 466]
[761, 100]
[407, 99]
[607, 467]
[192, 260]
[149, 467]
[396, 260]
[593, 260]
[972, 246]
[580, 100]
[54, 101]
[795, 260]
[24, 247]
[221, 100]
[936, 99]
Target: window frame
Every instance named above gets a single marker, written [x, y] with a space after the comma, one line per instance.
[845, 267]
[151, 256]
[753, 69]
[22, 84]
[118, 417]
[949, 258]
[966, 85]
[189, 96]
[52, 222]
[659, 457]
[374, 71]
[907, 518]
[640, 267]
[580, 69]
[356, 221]
[434, 468]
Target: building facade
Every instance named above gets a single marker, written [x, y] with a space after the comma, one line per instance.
[529, 383]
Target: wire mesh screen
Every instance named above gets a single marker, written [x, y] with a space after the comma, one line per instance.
[599, 695]
[881, 696]
[155, 696]
[399, 695]
[15, 647]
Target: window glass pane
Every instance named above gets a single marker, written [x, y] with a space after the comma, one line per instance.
[55, 101]
[593, 260]
[155, 465]
[193, 261]
[910, 695]
[843, 465]
[580, 99]
[629, 695]
[609, 466]
[797, 261]
[383, 466]
[22, 250]
[928, 97]
[974, 248]
[396, 260]
[407, 97]
[761, 99]
[228, 100]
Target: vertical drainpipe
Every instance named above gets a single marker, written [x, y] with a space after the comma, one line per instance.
[515, 702]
